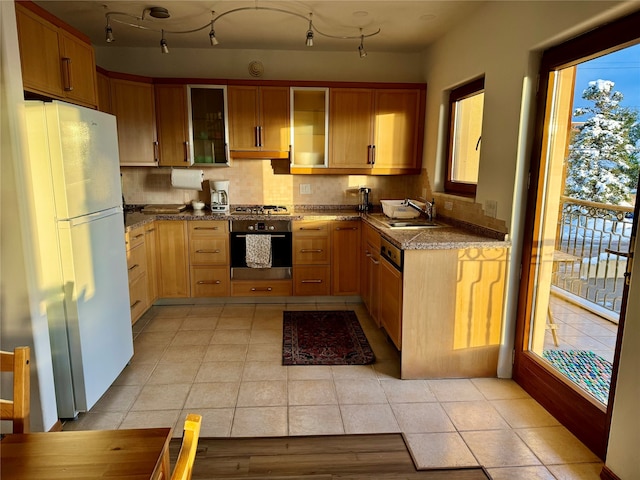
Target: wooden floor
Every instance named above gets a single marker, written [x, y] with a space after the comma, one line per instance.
[344, 457]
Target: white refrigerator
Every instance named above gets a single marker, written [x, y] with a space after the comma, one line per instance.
[82, 267]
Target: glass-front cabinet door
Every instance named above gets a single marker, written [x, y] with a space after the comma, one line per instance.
[309, 126]
[208, 126]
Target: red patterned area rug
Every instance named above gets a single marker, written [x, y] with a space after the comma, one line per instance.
[324, 338]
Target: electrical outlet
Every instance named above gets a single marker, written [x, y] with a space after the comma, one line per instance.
[305, 189]
[491, 208]
[448, 205]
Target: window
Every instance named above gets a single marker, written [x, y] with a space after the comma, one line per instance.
[466, 105]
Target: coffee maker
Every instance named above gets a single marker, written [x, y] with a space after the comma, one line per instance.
[219, 195]
[365, 204]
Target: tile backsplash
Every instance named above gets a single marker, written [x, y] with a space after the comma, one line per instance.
[253, 182]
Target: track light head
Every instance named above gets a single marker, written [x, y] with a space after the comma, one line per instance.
[163, 44]
[212, 36]
[309, 42]
[108, 33]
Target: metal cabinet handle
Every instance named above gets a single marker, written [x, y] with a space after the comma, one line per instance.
[208, 251]
[209, 282]
[311, 250]
[310, 228]
[133, 305]
[311, 281]
[373, 154]
[133, 267]
[263, 289]
[206, 228]
[256, 134]
[138, 236]
[375, 262]
[155, 151]
[347, 228]
[150, 230]
[186, 152]
[272, 236]
[68, 80]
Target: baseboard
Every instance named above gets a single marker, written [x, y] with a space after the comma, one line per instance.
[607, 474]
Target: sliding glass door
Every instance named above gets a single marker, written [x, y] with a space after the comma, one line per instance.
[582, 219]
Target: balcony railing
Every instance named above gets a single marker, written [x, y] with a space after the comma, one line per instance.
[592, 244]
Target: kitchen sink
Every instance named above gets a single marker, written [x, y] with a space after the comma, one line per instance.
[412, 225]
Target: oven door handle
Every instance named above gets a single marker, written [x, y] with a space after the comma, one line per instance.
[272, 236]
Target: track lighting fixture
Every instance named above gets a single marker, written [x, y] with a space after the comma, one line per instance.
[309, 42]
[163, 13]
[361, 50]
[163, 44]
[108, 32]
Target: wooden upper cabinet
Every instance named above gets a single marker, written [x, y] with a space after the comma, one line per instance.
[104, 92]
[172, 125]
[78, 70]
[258, 121]
[396, 133]
[350, 126]
[378, 130]
[55, 63]
[133, 103]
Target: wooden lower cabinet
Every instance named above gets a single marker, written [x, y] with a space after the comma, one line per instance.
[311, 258]
[209, 258]
[345, 257]
[261, 288]
[172, 258]
[207, 281]
[137, 272]
[370, 271]
[152, 270]
[390, 312]
[452, 312]
[314, 280]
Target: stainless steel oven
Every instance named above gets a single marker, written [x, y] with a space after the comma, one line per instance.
[281, 248]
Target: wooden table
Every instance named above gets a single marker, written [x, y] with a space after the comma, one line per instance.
[119, 454]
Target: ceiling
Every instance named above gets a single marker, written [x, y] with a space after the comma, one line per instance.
[405, 26]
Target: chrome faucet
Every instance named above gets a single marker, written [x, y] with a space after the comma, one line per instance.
[428, 208]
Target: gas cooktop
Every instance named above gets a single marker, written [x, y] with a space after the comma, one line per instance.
[261, 210]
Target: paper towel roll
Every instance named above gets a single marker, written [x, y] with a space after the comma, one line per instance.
[187, 179]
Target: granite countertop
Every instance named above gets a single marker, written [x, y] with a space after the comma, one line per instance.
[450, 235]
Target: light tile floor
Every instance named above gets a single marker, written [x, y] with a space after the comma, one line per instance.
[224, 362]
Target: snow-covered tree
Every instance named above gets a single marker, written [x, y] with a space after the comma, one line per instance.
[603, 161]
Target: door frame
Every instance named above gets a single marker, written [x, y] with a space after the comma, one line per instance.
[585, 418]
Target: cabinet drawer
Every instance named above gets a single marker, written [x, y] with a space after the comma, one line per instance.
[210, 281]
[310, 228]
[261, 288]
[312, 280]
[134, 237]
[208, 250]
[208, 227]
[311, 251]
[136, 262]
[138, 297]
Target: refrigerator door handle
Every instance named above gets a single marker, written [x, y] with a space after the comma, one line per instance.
[94, 216]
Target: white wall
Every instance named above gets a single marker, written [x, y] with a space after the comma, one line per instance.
[278, 64]
[22, 322]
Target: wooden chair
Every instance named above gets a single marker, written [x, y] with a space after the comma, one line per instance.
[18, 408]
[187, 455]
